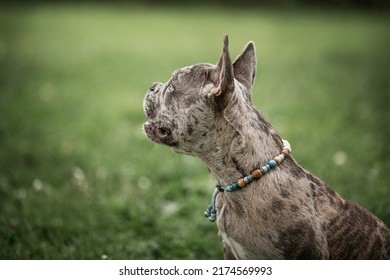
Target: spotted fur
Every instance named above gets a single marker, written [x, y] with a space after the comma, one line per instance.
[205, 110]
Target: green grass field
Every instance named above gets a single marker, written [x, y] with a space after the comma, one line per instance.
[79, 180]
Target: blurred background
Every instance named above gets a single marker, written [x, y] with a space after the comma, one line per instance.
[79, 180]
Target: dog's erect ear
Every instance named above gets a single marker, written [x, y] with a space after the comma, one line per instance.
[224, 70]
[245, 66]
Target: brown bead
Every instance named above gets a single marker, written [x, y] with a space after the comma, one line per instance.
[278, 160]
[256, 174]
[241, 183]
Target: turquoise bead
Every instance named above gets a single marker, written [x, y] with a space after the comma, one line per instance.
[248, 179]
[235, 186]
[272, 163]
[265, 169]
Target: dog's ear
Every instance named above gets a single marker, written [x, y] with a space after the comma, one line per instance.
[224, 78]
[245, 66]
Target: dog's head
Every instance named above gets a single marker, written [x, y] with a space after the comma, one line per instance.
[183, 111]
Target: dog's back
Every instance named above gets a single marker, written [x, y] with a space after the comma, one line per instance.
[351, 231]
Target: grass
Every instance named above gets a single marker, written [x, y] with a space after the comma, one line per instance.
[78, 180]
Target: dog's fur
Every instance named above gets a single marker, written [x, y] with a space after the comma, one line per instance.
[205, 110]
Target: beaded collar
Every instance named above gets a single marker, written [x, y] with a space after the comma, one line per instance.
[211, 211]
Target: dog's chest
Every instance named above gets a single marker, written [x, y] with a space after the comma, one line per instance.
[245, 237]
[237, 249]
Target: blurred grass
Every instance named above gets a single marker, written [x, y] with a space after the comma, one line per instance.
[78, 180]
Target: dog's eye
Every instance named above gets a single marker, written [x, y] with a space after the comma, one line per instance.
[170, 88]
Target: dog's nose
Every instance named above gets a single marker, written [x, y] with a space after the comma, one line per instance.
[155, 87]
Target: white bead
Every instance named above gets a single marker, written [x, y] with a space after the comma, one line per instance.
[286, 145]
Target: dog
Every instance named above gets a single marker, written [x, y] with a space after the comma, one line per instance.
[205, 110]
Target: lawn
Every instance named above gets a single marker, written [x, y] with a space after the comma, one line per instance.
[79, 180]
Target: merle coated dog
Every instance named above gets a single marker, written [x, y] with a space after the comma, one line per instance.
[205, 110]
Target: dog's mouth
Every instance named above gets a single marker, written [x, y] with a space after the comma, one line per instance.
[160, 135]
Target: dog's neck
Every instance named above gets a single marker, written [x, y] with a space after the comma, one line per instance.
[235, 150]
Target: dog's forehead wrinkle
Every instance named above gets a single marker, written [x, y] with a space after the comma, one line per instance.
[192, 72]
[182, 71]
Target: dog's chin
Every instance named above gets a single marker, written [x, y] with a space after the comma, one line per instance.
[177, 150]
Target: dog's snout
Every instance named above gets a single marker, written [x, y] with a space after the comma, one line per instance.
[150, 100]
[149, 105]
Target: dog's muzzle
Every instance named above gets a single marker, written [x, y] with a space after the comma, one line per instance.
[153, 129]
[150, 100]
[160, 135]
